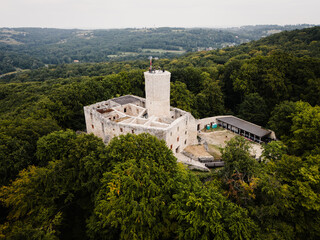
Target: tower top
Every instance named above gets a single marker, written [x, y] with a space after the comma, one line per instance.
[151, 69]
[156, 72]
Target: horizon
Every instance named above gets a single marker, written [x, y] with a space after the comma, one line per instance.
[173, 27]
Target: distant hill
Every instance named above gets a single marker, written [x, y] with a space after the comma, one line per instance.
[300, 43]
[31, 48]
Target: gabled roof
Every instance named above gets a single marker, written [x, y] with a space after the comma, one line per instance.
[244, 125]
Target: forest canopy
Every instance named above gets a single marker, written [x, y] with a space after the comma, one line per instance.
[57, 182]
[31, 48]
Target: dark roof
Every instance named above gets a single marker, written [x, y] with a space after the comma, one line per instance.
[125, 99]
[244, 125]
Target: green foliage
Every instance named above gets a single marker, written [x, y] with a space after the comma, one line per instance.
[134, 197]
[45, 202]
[26, 197]
[298, 126]
[181, 97]
[18, 144]
[276, 77]
[66, 102]
[125, 83]
[204, 213]
[209, 101]
[281, 118]
[240, 172]
[254, 109]
[289, 203]
[190, 76]
[306, 131]
[237, 159]
[273, 151]
[134, 188]
[149, 196]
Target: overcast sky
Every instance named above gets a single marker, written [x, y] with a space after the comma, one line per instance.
[93, 14]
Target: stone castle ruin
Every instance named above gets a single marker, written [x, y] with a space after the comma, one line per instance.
[154, 115]
[132, 114]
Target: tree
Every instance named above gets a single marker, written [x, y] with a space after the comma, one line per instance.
[204, 213]
[273, 151]
[55, 200]
[281, 119]
[66, 102]
[134, 197]
[232, 97]
[243, 81]
[288, 199]
[240, 172]
[209, 101]
[312, 90]
[149, 196]
[190, 76]
[18, 140]
[181, 97]
[306, 131]
[254, 109]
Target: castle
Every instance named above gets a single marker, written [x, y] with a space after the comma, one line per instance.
[132, 114]
[154, 115]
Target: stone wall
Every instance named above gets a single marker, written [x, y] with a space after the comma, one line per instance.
[201, 123]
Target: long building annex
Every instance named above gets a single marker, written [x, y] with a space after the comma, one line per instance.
[247, 129]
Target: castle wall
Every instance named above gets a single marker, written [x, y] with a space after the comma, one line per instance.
[181, 133]
[178, 135]
[192, 130]
[94, 122]
[106, 129]
[201, 123]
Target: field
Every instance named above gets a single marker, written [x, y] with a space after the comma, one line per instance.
[163, 51]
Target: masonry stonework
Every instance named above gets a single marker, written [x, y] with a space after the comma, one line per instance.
[157, 86]
[135, 115]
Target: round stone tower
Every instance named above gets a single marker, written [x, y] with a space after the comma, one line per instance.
[157, 84]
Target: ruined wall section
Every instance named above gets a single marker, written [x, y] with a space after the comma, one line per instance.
[108, 123]
[192, 130]
[110, 119]
[182, 132]
[94, 122]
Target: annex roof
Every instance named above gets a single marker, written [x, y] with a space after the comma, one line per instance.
[244, 125]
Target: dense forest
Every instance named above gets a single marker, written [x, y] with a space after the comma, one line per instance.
[31, 48]
[60, 183]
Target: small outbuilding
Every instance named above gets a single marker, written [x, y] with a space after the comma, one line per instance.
[247, 129]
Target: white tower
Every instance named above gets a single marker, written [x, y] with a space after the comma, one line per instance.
[157, 84]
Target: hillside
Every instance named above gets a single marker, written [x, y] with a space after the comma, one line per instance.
[304, 42]
[31, 48]
[58, 183]
[299, 43]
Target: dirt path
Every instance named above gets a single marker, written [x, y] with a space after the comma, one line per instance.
[10, 73]
[197, 151]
